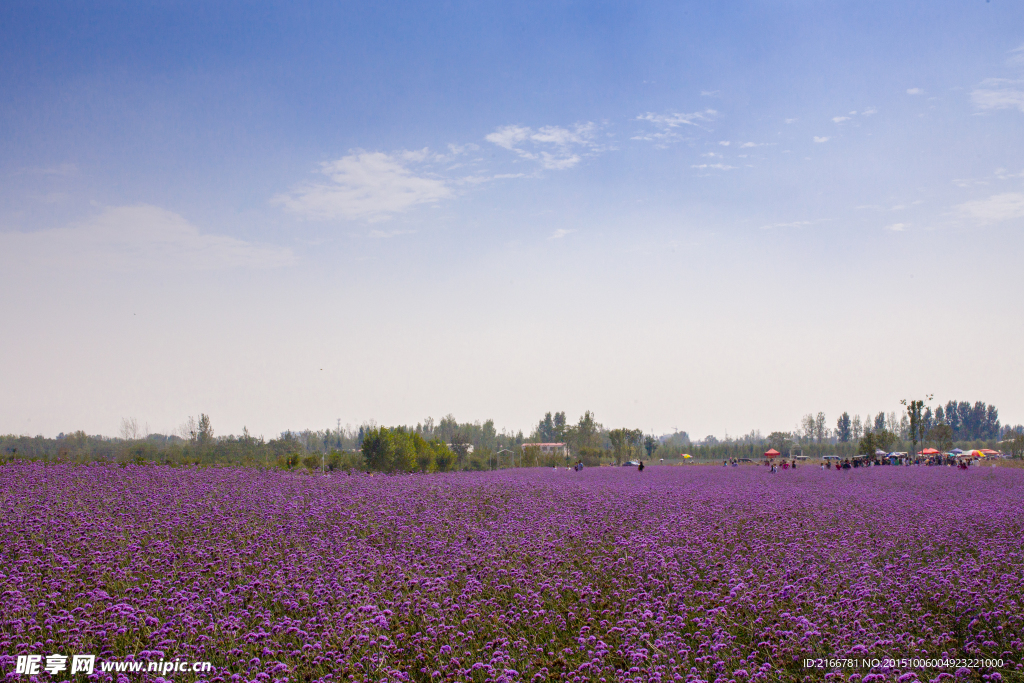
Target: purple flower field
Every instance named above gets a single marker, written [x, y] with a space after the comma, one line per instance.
[677, 573]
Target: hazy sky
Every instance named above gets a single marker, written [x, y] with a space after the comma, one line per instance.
[705, 216]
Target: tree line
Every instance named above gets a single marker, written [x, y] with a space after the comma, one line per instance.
[446, 444]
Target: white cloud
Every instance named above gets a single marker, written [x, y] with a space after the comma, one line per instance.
[457, 150]
[1016, 56]
[710, 93]
[821, 139]
[840, 119]
[999, 93]
[560, 233]
[915, 91]
[668, 126]
[370, 186]
[724, 143]
[750, 144]
[869, 111]
[554, 147]
[720, 167]
[896, 227]
[998, 207]
[791, 120]
[142, 237]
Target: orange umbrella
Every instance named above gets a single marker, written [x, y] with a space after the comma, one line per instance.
[771, 453]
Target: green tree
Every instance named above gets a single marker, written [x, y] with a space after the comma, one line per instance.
[444, 457]
[820, 430]
[885, 440]
[620, 443]
[780, 441]
[390, 450]
[1016, 445]
[460, 445]
[650, 443]
[915, 411]
[843, 427]
[942, 436]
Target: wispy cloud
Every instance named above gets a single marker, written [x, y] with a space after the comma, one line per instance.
[822, 139]
[64, 169]
[999, 93]
[896, 227]
[915, 91]
[995, 209]
[371, 186]
[840, 119]
[554, 147]
[667, 127]
[139, 238]
[720, 167]
[560, 233]
[1016, 57]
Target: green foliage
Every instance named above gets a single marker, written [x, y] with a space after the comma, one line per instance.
[882, 439]
[625, 443]
[1016, 444]
[401, 450]
[289, 461]
[780, 441]
[592, 457]
[843, 427]
[942, 436]
[915, 411]
[444, 457]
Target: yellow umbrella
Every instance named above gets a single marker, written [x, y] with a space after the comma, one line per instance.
[686, 455]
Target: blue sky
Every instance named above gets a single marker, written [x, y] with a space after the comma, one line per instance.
[711, 217]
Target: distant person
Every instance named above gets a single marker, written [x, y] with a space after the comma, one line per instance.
[641, 467]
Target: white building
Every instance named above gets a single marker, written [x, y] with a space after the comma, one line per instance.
[549, 448]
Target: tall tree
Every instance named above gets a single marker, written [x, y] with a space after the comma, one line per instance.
[558, 431]
[843, 430]
[780, 441]
[915, 411]
[808, 426]
[820, 430]
[942, 436]
[619, 439]
[650, 443]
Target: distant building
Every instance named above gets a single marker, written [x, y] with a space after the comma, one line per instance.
[549, 448]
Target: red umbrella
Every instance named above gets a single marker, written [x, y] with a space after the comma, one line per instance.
[771, 453]
[928, 451]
